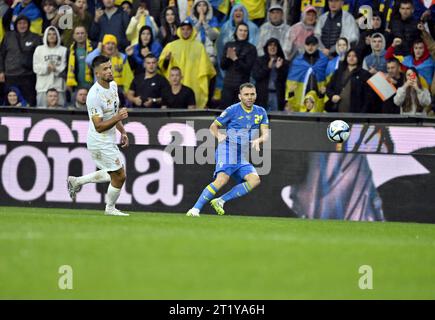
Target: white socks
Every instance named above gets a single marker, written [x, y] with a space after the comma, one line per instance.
[100, 176]
[111, 196]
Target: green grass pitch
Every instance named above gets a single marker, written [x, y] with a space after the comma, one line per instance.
[171, 256]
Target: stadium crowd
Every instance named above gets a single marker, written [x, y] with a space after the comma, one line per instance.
[303, 55]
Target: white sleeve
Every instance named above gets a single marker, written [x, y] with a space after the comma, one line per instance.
[94, 105]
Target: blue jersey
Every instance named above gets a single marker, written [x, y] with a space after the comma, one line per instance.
[242, 125]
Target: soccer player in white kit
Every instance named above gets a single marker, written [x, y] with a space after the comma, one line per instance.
[103, 105]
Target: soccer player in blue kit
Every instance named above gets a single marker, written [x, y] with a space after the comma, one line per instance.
[243, 121]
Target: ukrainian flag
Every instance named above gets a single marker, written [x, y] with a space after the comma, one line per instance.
[298, 77]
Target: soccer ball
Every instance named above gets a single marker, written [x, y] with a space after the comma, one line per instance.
[338, 131]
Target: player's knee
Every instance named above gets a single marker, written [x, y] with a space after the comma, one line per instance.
[220, 181]
[254, 181]
[120, 177]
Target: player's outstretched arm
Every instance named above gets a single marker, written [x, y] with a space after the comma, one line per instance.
[101, 126]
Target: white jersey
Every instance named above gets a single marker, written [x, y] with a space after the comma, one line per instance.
[104, 103]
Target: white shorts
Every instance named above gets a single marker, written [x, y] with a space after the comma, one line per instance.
[108, 159]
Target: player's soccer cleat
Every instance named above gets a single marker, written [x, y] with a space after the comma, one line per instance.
[72, 187]
[218, 206]
[115, 212]
[193, 213]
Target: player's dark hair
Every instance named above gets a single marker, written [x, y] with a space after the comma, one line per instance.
[246, 85]
[99, 60]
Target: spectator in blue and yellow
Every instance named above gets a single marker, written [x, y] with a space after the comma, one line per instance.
[112, 20]
[207, 27]
[270, 74]
[144, 46]
[274, 27]
[79, 73]
[237, 61]
[122, 74]
[419, 58]
[334, 24]
[29, 9]
[14, 98]
[256, 9]
[238, 15]
[341, 48]
[313, 103]
[170, 22]
[141, 19]
[307, 72]
[190, 56]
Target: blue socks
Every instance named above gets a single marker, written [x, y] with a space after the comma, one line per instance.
[238, 191]
[207, 194]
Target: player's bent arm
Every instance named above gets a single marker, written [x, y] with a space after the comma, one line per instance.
[264, 130]
[214, 129]
[101, 126]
